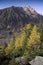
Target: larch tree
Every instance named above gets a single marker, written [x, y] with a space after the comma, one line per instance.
[34, 37]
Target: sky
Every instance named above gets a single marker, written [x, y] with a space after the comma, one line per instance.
[35, 4]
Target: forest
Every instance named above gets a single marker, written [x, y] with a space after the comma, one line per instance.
[24, 47]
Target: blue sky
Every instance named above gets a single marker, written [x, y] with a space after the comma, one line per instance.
[36, 4]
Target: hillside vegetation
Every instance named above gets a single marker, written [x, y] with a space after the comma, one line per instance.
[28, 44]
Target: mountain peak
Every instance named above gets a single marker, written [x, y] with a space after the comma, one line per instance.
[30, 10]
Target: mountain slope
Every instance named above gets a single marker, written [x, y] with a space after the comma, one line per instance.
[14, 18]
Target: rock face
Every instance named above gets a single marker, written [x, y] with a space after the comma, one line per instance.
[30, 11]
[37, 61]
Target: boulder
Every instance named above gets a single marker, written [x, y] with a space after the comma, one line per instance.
[37, 61]
[23, 60]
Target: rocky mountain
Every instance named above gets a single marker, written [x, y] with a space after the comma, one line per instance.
[13, 18]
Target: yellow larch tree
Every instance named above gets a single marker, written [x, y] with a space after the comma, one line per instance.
[19, 42]
[34, 37]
